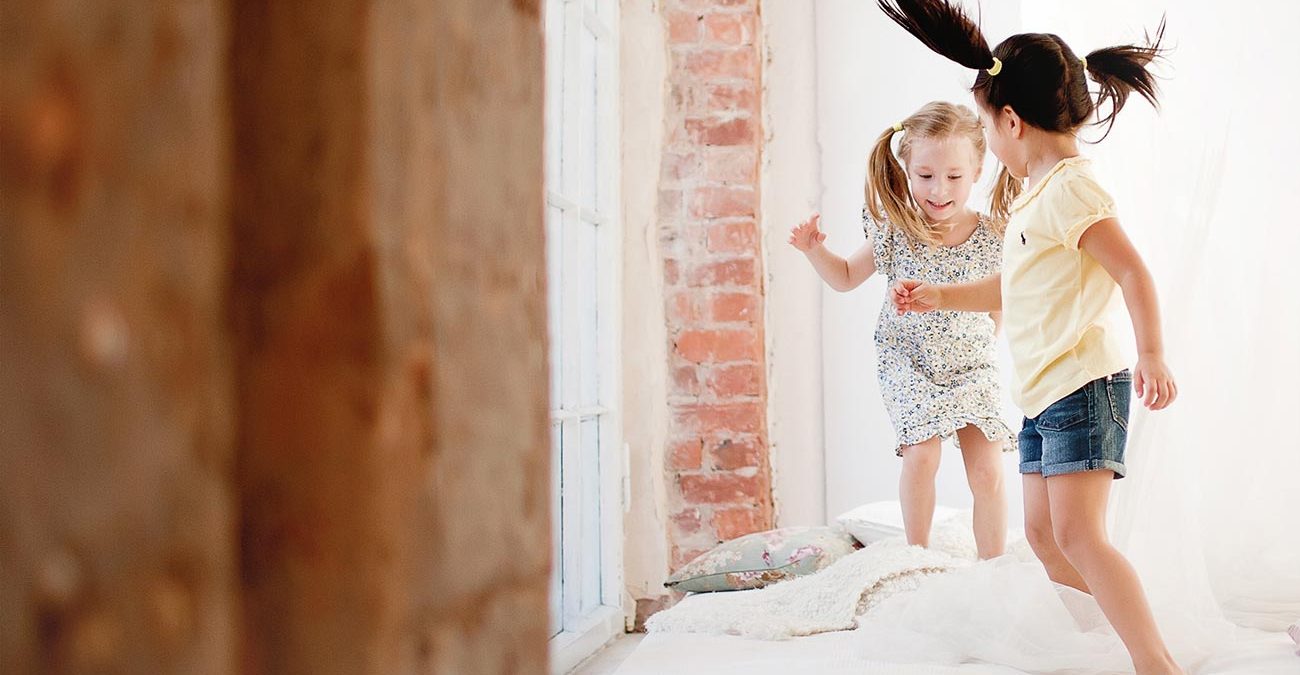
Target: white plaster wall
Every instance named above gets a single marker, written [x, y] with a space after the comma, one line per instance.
[791, 189]
[645, 392]
[870, 74]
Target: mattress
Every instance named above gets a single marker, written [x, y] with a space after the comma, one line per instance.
[837, 653]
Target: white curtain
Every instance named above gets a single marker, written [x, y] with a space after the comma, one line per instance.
[1209, 189]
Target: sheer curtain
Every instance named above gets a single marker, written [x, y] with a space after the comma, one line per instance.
[1210, 511]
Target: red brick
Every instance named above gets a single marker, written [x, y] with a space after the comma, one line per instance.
[725, 307]
[702, 418]
[687, 521]
[672, 272]
[684, 27]
[680, 166]
[738, 272]
[718, 346]
[681, 556]
[729, 29]
[729, 165]
[729, 454]
[719, 131]
[718, 64]
[722, 488]
[685, 381]
[723, 202]
[733, 381]
[684, 308]
[738, 237]
[687, 97]
[737, 98]
[686, 455]
[738, 522]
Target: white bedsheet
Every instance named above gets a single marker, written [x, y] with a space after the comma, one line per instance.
[839, 653]
[836, 653]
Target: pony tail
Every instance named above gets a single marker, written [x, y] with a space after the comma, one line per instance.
[1005, 191]
[1122, 70]
[943, 27]
[888, 196]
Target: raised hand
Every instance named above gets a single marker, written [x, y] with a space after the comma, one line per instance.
[807, 235]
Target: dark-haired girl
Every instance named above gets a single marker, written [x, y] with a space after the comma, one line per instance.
[1065, 257]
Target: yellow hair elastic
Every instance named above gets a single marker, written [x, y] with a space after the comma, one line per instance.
[1084, 61]
[997, 67]
[898, 126]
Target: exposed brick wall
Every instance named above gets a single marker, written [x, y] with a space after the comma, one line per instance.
[717, 457]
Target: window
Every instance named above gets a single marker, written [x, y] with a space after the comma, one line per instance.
[584, 267]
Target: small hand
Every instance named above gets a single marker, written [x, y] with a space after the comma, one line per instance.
[910, 295]
[1154, 383]
[807, 235]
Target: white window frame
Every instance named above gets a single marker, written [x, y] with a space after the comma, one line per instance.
[582, 634]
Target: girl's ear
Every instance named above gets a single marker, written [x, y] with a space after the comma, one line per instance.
[1015, 125]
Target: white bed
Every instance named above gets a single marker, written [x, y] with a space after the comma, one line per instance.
[835, 653]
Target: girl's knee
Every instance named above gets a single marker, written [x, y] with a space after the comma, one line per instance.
[922, 459]
[984, 478]
[1076, 540]
[1040, 536]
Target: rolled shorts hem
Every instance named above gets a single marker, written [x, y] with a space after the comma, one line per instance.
[1081, 466]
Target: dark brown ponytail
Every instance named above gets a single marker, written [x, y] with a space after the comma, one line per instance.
[1036, 74]
[944, 28]
[1122, 70]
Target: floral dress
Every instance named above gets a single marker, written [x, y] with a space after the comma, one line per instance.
[938, 370]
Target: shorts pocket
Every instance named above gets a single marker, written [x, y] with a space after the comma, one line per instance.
[1119, 395]
[1070, 411]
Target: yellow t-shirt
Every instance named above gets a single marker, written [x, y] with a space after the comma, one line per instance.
[1055, 297]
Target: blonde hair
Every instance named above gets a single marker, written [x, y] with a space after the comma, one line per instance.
[1005, 191]
[888, 198]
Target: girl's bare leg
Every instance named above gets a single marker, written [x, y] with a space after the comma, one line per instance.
[916, 489]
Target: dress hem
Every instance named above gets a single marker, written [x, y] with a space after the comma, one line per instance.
[993, 429]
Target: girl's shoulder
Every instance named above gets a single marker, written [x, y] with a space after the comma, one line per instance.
[1069, 186]
[878, 231]
[883, 231]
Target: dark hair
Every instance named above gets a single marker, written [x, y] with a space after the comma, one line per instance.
[1041, 78]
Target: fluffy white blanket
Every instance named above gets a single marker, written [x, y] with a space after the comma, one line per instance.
[829, 600]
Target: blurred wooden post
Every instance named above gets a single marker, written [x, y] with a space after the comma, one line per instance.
[390, 323]
[272, 313]
[117, 517]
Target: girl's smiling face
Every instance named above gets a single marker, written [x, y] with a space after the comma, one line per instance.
[941, 172]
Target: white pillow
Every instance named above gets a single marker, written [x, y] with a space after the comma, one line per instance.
[880, 520]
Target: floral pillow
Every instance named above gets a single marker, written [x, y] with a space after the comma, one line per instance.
[762, 559]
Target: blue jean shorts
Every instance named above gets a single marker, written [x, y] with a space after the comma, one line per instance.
[1085, 431]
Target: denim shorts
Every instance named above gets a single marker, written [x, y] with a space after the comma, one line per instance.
[1085, 431]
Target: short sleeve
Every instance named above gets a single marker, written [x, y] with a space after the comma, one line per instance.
[878, 235]
[1076, 203]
